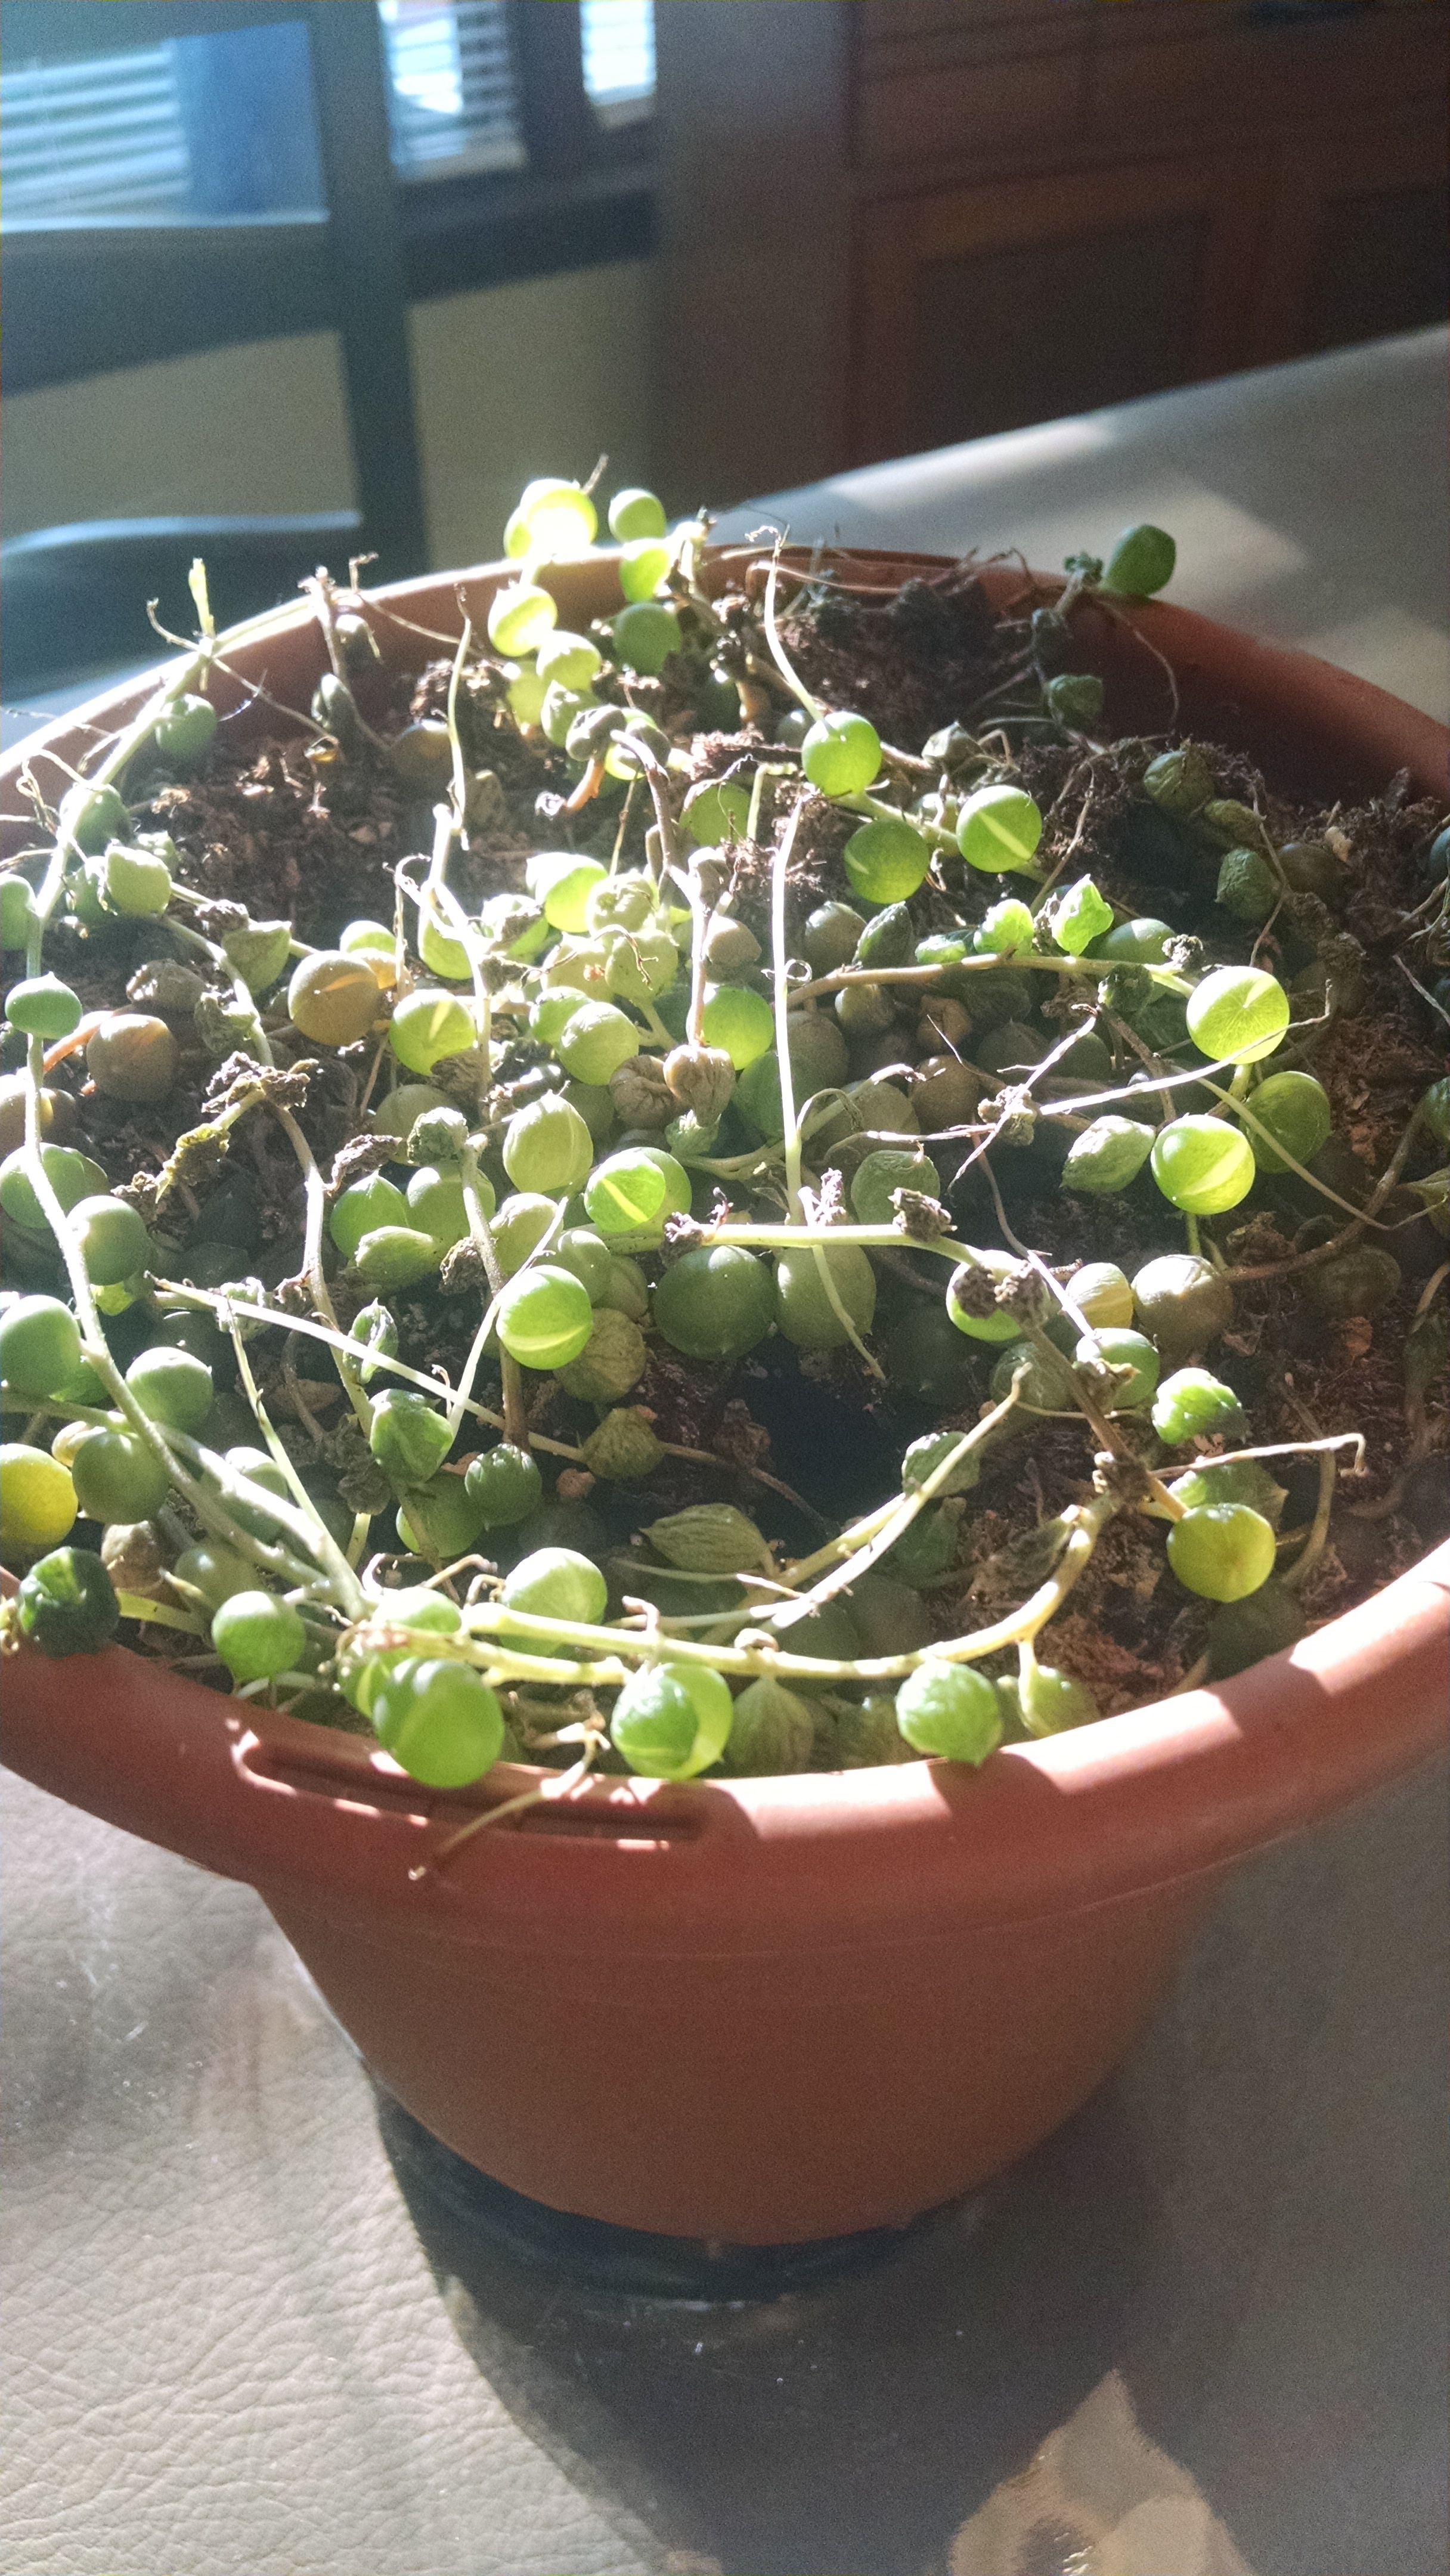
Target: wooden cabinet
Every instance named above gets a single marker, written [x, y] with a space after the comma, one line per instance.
[1021, 299]
[1357, 228]
[1060, 204]
[887, 225]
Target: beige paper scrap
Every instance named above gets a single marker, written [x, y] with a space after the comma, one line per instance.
[1099, 2499]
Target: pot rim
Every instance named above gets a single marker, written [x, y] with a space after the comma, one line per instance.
[1382, 730]
[1188, 1782]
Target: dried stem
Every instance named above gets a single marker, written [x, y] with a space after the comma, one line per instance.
[321, 1294]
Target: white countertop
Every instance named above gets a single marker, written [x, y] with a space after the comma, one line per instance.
[1309, 502]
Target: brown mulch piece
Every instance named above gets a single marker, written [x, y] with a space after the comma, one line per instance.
[910, 665]
[262, 829]
[1374, 1068]
[1117, 1677]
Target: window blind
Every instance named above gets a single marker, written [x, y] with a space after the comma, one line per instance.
[84, 141]
[106, 138]
[618, 42]
[452, 90]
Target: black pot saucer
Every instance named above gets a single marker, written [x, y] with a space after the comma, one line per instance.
[626, 2262]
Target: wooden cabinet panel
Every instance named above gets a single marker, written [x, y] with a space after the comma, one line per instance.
[887, 23]
[1042, 329]
[945, 81]
[973, 81]
[1204, 68]
[1037, 207]
[988, 109]
[1093, 284]
[1383, 265]
[1357, 228]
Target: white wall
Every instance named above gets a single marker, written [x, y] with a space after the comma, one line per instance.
[261, 427]
[539, 377]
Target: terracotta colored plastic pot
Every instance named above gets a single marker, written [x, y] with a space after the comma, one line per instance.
[776, 2010]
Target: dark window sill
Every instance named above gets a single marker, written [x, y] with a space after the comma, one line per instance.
[81, 303]
[474, 232]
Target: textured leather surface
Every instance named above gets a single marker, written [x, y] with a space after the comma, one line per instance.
[227, 2352]
[224, 2353]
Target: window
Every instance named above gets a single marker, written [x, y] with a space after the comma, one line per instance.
[189, 131]
[173, 192]
[618, 42]
[452, 92]
[83, 141]
[454, 82]
[186, 132]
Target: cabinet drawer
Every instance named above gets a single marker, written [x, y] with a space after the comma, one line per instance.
[983, 109]
[1212, 70]
[1021, 298]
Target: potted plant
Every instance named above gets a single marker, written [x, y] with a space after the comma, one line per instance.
[679, 1026]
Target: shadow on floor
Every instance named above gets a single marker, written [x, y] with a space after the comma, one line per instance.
[849, 2423]
[1244, 2233]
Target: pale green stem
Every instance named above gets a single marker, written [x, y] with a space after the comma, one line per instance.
[1097, 1421]
[126, 744]
[786, 1237]
[1242, 1110]
[191, 667]
[835, 1548]
[899, 1517]
[863, 802]
[437, 897]
[1096, 1100]
[515, 1411]
[73, 1413]
[47, 896]
[142, 726]
[212, 1302]
[1168, 1509]
[1101, 967]
[204, 1502]
[158, 1614]
[515, 1427]
[337, 1582]
[792, 1136]
[656, 1027]
[1313, 1548]
[1291, 1449]
[316, 1193]
[460, 772]
[242, 993]
[200, 589]
[793, 681]
[689, 882]
[767, 769]
[780, 867]
[550, 1795]
[324, 1544]
[613, 1651]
